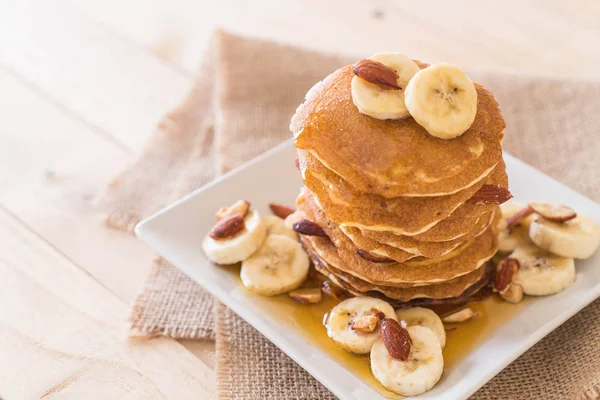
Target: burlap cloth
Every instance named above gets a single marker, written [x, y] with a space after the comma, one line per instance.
[240, 106]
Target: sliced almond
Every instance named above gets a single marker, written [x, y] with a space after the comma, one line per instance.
[396, 339]
[365, 324]
[514, 294]
[491, 194]
[557, 213]
[378, 313]
[280, 210]
[240, 206]
[518, 217]
[333, 291]
[377, 73]
[228, 227]
[506, 271]
[461, 316]
[367, 255]
[308, 228]
[306, 296]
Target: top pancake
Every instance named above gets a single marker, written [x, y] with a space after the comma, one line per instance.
[394, 158]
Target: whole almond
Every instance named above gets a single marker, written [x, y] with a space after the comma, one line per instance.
[396, 339]
[373, 257]
[518, 217]
[308, 228]
[377, 73]
[280, 210]
[506, 271]
[228, 227]
[490, 194]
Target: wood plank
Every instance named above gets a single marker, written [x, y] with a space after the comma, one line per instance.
[51, 168]
[177, 30]
[522, 35]
[118, 88]
[61, 334]
[48, 178]
[514, 35]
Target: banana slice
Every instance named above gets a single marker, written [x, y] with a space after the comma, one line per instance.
[542, 273]
[510, 239]
[280, 265]
[277, 226]
[240, 246]
[576, 238]
[293, 218]
[340, 319]
[442, 99]
[423, 317]
[419, 373]
[384, 104]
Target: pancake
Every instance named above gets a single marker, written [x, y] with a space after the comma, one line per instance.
[414, 272]
[452, 288]
[459, 224]
[387, 245]
[426, 249]
[394, 158]
[465, 296]
[468, 295]
[306, 203]
[407, 216]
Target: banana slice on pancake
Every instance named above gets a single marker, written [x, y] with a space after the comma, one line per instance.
[342, 319]
[542, 273]
[576, 238]
[419, 316]
[380, 103]
[231, 250]
[279, 265]
[442, 99]
[276, 225]
[419, 373]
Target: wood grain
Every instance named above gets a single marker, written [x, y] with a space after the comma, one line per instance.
[61, 333]
[118, 89]
[550, 37]
[50, 171]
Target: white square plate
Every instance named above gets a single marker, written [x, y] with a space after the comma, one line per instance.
[177, 231]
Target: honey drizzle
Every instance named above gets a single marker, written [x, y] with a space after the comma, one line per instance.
[461, 338]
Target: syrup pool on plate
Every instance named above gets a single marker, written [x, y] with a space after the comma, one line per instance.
[461, 338]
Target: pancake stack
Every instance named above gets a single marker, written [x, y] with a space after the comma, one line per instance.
[407, 217]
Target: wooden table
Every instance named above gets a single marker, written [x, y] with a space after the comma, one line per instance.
[82, 84]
